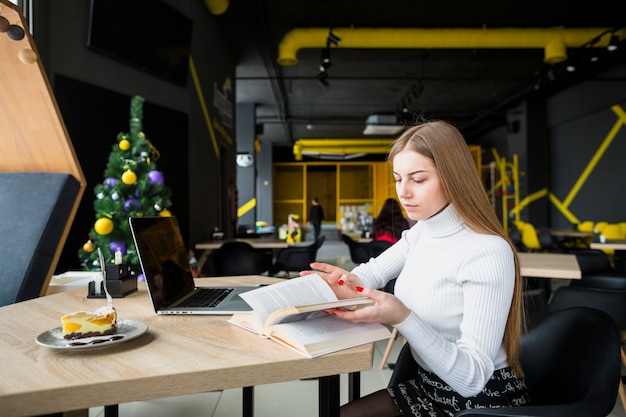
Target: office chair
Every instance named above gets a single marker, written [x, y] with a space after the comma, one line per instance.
[571, 362]
[32, 230]
[546, 241]
[359, 252]
[377, 247]
[612, 231]
[610, 301]
[296, 258]
[592, 262]
[530, 238]
[239, 258]
[516, 237]
[600, 281]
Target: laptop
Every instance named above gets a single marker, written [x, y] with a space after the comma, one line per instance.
[165, 265]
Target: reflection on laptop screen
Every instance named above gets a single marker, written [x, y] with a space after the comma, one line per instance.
[164, 259]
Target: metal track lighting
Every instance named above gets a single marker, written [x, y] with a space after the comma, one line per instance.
[332, 38]
[322, 79]
[325, 61]
[613, 43]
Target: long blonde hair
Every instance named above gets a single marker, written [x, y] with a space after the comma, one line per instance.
[446, 147]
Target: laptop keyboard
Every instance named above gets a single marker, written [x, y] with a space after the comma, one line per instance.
[209, 297]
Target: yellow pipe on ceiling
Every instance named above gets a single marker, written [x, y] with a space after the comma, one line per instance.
[552, 40]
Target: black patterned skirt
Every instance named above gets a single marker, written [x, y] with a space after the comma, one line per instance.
[428, 396]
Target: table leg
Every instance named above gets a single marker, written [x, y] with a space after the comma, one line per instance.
[329, 396]
[248, 402]
[354, 386]
[111, 410]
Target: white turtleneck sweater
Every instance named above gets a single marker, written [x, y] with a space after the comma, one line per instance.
[458, 285]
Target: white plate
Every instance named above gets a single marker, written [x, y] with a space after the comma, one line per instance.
[127, 330]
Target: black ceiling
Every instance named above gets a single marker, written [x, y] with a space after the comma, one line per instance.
[470, 87]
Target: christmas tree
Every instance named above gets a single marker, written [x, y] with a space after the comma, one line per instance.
[132, 187]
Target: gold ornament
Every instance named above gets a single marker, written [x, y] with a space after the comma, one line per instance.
[88, 246]
[129, 177]
[124, 145]
[165, 213]
[103, 226]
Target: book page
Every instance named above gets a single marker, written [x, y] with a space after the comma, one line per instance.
[306, 290]
[326, 334]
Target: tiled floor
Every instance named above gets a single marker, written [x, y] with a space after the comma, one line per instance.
[294, 399]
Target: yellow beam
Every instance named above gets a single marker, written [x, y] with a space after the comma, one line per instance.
[554, 41]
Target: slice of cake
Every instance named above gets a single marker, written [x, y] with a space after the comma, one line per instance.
[81, 324]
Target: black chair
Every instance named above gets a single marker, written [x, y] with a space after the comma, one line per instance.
[377, 247]
[359, 252]
[610, 301]
[516, 237]
[296, 258]
[601, 281]
[571, 362]
[593, 262]
[239, 258]
[33, 229]
[546, 241]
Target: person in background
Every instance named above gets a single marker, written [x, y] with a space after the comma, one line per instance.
[294, 234]
[390, 222]
[316, 215]
[458, 295]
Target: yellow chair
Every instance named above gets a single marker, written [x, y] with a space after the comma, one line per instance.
[586, 226]
[599, 226]
[530, 239]
[612, 231]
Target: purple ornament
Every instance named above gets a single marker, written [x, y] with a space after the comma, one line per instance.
[131, 204]
[155, 177]
[141, 277]
[110, 182]
[114, 246]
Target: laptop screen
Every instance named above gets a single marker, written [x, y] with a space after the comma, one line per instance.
[163, 258]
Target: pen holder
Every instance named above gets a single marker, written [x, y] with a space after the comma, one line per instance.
[120, 282]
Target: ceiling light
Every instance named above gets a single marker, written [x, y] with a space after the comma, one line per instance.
[332, 38]
[613, 43]
[382, 124]
[570, 67]
[322, 79]
[333, 157]
[325, 61]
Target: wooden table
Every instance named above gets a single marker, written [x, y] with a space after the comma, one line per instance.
[571, 233]
[549, 265]
[259, 243]
[178, 355]
[572, 237]
[610, 244]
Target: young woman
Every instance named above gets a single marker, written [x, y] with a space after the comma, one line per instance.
[390, 222]
[457, 298]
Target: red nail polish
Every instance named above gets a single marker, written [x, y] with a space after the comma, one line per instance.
[358, 289]
[340, 282]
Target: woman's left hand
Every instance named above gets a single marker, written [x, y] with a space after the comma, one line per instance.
[387, 309]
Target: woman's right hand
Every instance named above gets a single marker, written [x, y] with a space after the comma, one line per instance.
[342, 282]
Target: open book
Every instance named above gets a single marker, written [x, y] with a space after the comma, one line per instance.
[292, 313]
